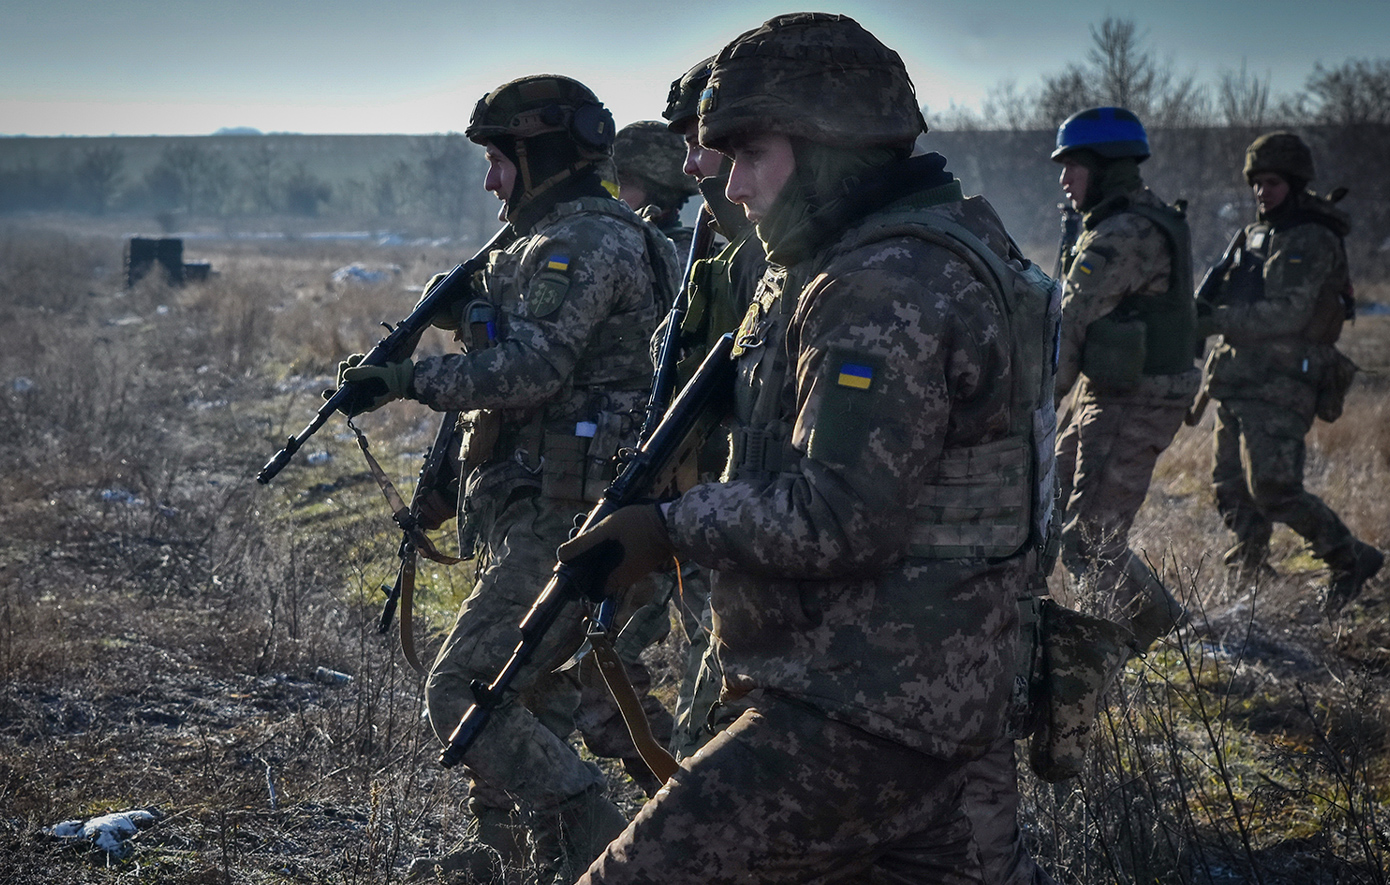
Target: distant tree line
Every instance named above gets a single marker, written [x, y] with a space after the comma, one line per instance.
[438, 184]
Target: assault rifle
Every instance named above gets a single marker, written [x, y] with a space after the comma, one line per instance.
[1206, 298]
[668, 354]
[1071, 230]
[649, 468]
[398, 344]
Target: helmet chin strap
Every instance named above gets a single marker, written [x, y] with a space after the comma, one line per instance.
[530, 189]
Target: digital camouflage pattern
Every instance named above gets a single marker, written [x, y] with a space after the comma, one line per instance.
[1278, 310]
[577, 300]
[754, 806]
[815, 76]
[1107, 451]
[813, 595]
[652, 154]
[1076, 648]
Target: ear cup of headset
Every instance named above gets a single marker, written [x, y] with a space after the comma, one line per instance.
[592, 127]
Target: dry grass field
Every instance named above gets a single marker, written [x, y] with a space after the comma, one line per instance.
[163, 617]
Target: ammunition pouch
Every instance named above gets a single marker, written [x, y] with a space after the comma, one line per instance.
[1333, 384]
[579, 465]
[478, 433]
[1114, 354]
[1080, 656]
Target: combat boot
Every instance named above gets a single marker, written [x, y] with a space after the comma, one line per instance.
[1350, 571]
[567, 837]
[493, 852]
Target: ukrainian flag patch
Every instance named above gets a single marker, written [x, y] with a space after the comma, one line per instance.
[1084, 268]
[558, 262]
[856, 375]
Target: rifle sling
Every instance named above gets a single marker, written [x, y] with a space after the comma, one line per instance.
[661, 762]
[416, 541]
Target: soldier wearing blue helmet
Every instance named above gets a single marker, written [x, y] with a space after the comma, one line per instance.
[1126, 358]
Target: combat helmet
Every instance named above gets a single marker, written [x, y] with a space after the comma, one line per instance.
[651, 154]
[812, 75]
[1110, 133]
[1280, 152]
[542, 103]
[553, 128]
[683, 101]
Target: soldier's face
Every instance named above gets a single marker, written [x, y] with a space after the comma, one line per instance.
[762, 165]
[1271, 190]
[700, 162]
[501, 173]
[1075, 179]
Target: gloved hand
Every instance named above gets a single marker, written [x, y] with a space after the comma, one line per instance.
[450, 316]
[628, 544]
[374, 386]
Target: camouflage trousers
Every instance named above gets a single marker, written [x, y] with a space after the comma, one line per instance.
[521, 756]
[991, 801]
[1257, 472]
[1105, 460]
[785, 795]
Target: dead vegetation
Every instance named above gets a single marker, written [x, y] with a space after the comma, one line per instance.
[163, 617]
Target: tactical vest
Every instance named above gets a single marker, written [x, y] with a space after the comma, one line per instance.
[1170, 321]
[1245, 281]
[575, 460]
[715, 308]
[994, 500]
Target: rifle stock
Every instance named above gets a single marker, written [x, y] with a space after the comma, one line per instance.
[648, 468]
[398, 344]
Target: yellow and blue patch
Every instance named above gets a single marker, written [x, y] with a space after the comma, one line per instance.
[856, 375]
[1085, 267]
[558, 262]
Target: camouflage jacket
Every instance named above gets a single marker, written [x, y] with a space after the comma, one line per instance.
[1122, 256]
[1279, 309]
[860, 366]
[577, 300]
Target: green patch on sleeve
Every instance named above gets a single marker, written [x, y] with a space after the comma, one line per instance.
[547, 292]
[849, 398]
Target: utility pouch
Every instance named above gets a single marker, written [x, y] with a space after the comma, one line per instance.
[478, 432]
[1114, 354]
[562, 465]
[601, 466]
[1333, 384]
[1081, 656]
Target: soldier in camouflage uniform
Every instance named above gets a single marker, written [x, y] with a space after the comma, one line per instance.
[1127, 346]
[574, 301]
[1279, 310]
[650, 178]
[864, 578]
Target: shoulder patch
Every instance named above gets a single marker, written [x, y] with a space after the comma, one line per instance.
[547, 292]
[1088, 264]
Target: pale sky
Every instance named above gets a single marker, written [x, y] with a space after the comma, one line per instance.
[163, 67]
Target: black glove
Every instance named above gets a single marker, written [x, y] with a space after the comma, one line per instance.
[627, 545]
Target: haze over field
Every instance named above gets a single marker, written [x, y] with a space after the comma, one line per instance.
[144, 67]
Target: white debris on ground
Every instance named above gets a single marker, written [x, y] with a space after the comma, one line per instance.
[362, 273]
[109, 832]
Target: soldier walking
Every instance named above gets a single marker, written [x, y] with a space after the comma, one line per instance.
[1126, 355]
[1279, 309]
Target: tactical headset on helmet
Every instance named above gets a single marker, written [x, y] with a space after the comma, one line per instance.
[650, 152]
[683, 101]
[542, 103]
[1280, 152]
[1110, 133]
[811, 75]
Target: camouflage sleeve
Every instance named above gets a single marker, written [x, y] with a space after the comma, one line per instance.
[879, 357]
[1125, 254]
[574, 277]
[1294, 274]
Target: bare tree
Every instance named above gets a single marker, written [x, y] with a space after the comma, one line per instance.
[1356, 93]
[1120, 71]
[1243, 99]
